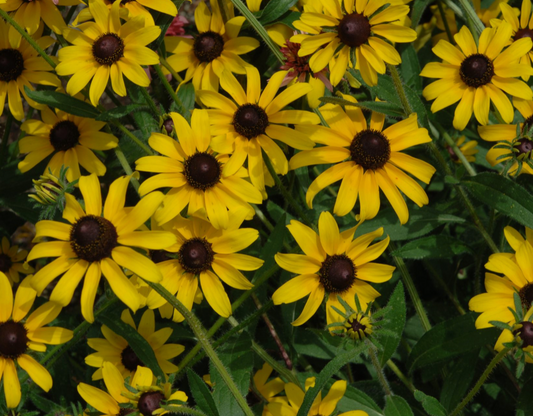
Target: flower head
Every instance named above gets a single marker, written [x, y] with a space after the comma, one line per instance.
[468, 149]
[29, 14]
[11, 261]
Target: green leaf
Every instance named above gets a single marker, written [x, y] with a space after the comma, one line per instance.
[417, 105]
[524, 404]
[201, 394]
[272, 246]
[411, 68]
[63, 102]
[395, 323]
[502, 194]
[385, 90]
[432, 247]
[355, 399]
[383, 107]
[326, 374]
[187, 96]
[397, 406]
[459, 379]
[418, 9]
[119, 112]
[449, 339]
[275, 9]
[138, 344]
[430, 404]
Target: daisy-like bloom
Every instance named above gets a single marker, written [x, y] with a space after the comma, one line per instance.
[10, 261]
[21, 65]
[107, 49]
[72, 138]
[521, 332]
[216, 47]
[206, 256]
[468, 149]
[268, 389]
[197, 178]
[492, 12]
[116, 349]
[356, 29]
[333, 264]
[367, 159]
[247, 127]
[321, 406]
[517, 271]
[17, 336]
[476, 75]
[358, 326]
[93, 244]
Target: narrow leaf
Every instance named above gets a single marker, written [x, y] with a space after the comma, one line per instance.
[430, 404]
[63, 102]
[201, 394]
[395, 324]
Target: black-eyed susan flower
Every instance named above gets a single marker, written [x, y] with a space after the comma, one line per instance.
[20, 66]
[247, 127]
[216, 47]
[116, 349]
[519, 334]
[356, 29]
[207, 256]
[333, 264]
[106, 49]
[489, 13]
[267, 389]
[367, 158]
[467, 148]
[515, 275]
[478, 75]
[29, 14]
[93, 244]
[11, 261]
[197, 177]
[321, 406]
[18, 335]
[72, 139]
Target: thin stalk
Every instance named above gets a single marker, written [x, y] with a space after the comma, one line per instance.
[446, 25]
[171, 70]
[450, 142]
[258, 27]
[134, 138]
[455, 8]
[5, 136]
[379, 371]
[495, 361]
[169, 89]
[398, 85]
[126, 166]
[28, 38]
[407, 383]
[149, 101]
[201, 335]
[472, 15]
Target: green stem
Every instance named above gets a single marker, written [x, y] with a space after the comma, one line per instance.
[28, 38]
[450, 142]
[258, 27]
[169, 89]
[398, 85]
[126, 166]
[472, 16]
[170, 69]
[149, 101]
[201, 335]
[407, 383]
[379, 371]
[5, 136]
[446, 25]
[134, 138]
[495, 361]
[182, 410]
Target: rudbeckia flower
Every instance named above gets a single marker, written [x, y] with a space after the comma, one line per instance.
[367, 159]
[116, 349]
[216, 47]
[247, 127]
[197, 177]
[21, 65]
[72, 138]
[333, 264]
[356, 29]
[491, 12]
[93, 244]
[476, 75]
[204, 258]
[468, 149]
[10, 261]
[17, 336]
[516, 269]
[107, 49]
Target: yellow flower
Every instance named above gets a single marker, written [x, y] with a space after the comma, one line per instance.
[248, 127]
[216, 47]
[476, 75]
[367, 159]
[355, 29]
[93, 244]
[522, 331]
[333, 264]
[491, 12]
[72, 138]
[468, 149]
[16, 337]
[268, 389]
[21, 65]
[10, 261]
[198, 178]
[116, 349]
[358, 326]
[107, 49]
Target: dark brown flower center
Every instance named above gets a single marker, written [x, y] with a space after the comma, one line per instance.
[158, 256]
[250, 121]
[208, 46]
[202, 171]
[523, 33]
[130, 359]
[526, 295]
[370, 149]
[524, 146]
[357, 326]
[93, 238]
[13, 339]
[108, 49]
[354, 29]
[525, 333]
[196, 255]
[5, 263]
[11, 64]
[64, 135]
[149, 402]
[337, 273]
[476, 70]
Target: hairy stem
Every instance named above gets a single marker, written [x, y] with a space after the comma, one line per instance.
[169, 89]
[134, 138]
[379, 371]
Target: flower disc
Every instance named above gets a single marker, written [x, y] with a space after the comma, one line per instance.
[250, 121]
[13, 339]
[93, 238]
[370, 149]
[11, 64]
[337, 273]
